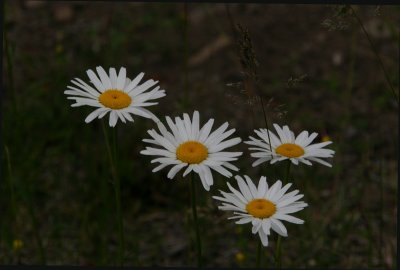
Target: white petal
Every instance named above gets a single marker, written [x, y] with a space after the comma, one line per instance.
[175, 169]
[225, 144]
[278, 227]
[217, 132]
[221, 170]
[208, 175]
[134, 82]
[244, 220]
[201, 173]
[143, 87]
[104, 77]
[205, 130]
[259, 161]
[195, 125]
[188, 125]
[113, 119]
[244, 188]
[289, 200]
[262, 187]
[120, 116]
[257, 223]
[237, 193]
[188, 170]
[230, 166]
[288, 218]
[94, 114]
[266, 226]
[274, 188]
[252, 187]
[181, 128]
[85, 87]
[95, 80]
[308, 140]
[159, 167]
[121, 78]
[113, 77]
[263, 237]
[280, 193]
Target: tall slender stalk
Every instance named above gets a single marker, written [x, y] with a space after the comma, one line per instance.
[10, 70]
[375, 51]
[112, 157]
[195, 220]
[10, 183]
[380, 250]
[36, 231]
[186, 105]
[258, 262]
[278, 253]
[185, 54]
[286, 179]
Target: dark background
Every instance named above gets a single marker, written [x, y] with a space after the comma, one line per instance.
[317, 72]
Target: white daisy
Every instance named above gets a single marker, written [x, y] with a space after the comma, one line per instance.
[287, 146]
[262, 206]
[194, 148]
[115, 94]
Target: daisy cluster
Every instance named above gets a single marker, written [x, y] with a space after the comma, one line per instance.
[184, 144]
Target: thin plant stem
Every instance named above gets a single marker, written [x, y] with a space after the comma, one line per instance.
[286, 179]
[112, 157]
[115, 146]
[279, 252]
[36, 232]
[278, 255]
[10, 183]
[185, 54]
[258, 262]
[375, 51]
[266, 121]
[195, 220]
[381, 261]
[10, 71]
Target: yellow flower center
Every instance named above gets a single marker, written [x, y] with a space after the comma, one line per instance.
[191, 152]
[115, 99]
[290, 150]
[261, 208]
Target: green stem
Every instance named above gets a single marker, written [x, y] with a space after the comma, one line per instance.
[258, 262]
[185, 54]
[375, 51]
[10, 71]
[36, 233]
[112, 157]
[115, 146]
[10, 183]
[278, 255]
[196, 224]
[286, 180]
[279, 252]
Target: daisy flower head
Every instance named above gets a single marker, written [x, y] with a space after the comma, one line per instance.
[115, 94]
[264, 207]
[285, 145]
[197, 149]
